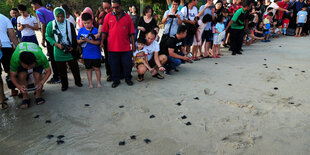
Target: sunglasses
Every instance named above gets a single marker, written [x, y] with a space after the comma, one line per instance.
[116, 7]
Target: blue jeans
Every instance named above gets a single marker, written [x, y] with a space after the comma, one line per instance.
[172, 63]
[118, 59]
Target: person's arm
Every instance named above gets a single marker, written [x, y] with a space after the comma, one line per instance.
[168, 2]
[297, 19]
[20, 27]
[48, 73]
[202, 10]
[12, 37]
[166, 16]
[174, 55]
[281, 9]
[230, 22]
[258, 31]
[50, 36]
[257, 38]
[95, 42]
[180, 21]
[132, 36]
[43, 31]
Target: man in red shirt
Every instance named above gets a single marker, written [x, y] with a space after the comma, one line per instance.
[118, 28]
[283, 4]
[106, 5]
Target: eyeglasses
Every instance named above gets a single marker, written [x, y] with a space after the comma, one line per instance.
[107, 8]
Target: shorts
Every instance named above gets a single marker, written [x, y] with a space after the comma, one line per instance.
[216, 41]
[32, 39]
[259, 34]
[188, 40]
[267, 32]
[300, 24]
[90, 63]
[38, 69]
[152, 62]
[207, 36]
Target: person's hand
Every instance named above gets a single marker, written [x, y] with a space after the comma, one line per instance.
[134, 65]
[198, 40]
[97, 36]
[101, 45]
[193, 22]
[213, 10]
[177, 15]
[22, 89]
[133, 48]
[161, 68]
[287, 11]
[59, 46]
[86, 40]
[71, 49]
[39, 86]
[142, 29]
[43, 42]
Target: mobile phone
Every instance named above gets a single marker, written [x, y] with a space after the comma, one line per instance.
[172, 16]
[31, 89]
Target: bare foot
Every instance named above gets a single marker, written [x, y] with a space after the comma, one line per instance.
[99, 85]
[91, 86]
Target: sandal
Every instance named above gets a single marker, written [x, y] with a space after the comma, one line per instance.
[25, 104]
[140, 78]
[158, 76]
[40, 101]
[4, 105]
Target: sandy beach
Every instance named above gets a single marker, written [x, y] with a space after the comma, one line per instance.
[256, 103]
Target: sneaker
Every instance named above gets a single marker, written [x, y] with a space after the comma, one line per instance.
[54, 81]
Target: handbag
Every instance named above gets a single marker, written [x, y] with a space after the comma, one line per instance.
[191, 29]
[165, 37]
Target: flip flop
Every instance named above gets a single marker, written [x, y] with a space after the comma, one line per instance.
[24, 103]
[40, 101]
[140, 78]
[4, 105]
[158, 76]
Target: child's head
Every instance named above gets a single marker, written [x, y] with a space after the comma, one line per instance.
[220, 19]
[141, 43]
[225, 12]
[269, 15]
[304, 8]
[275, 23]
[251, 25]
[77, 13]
[207, 18]
[87, 20]
[269, 9]
[261, 24]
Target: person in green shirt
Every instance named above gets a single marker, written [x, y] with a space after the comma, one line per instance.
[25, 57]
[61, 34]
[237, 23]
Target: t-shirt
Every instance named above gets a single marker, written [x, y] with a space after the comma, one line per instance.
[30, 20]
[173, 43]
[192, 13]
[148, 26]
[220, 27]
[90, 51]
[45, 15]
[41, 59]
[135, 19]
[274, 7]
[279, 14]
[118, 31]
[207, 11]
[175, 25]
[238, 19]
[267, 23]
[5, 24]
[201, 27]
[150, 49]
[302, 16]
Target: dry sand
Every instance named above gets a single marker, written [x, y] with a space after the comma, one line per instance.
[248, 117]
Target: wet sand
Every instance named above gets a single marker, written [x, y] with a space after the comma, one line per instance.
[231, 103]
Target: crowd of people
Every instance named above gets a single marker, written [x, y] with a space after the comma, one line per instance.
[129, 40]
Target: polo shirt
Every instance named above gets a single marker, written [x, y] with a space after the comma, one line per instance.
[238, 22]
[279, 14]
[30, 20]
[118, 32]
[5, 24]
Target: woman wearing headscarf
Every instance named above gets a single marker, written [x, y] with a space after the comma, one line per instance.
[90, 11]
[61, 34]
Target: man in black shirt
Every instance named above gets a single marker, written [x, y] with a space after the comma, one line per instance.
[174, 48]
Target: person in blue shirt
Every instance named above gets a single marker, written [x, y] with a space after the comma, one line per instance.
[172, 19]
[14, 14]
[91, 49]
[301, 20]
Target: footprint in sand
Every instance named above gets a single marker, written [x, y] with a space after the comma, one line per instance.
[208, 92]
[288, 102]
[240, 140]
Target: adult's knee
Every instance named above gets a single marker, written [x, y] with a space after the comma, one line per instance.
[141, 69]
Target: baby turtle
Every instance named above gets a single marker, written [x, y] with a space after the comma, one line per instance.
[266, 67]
[133, 137]
[37, 116]
[48, 121]
[121, 106]
[303, 71]
[184, 117]
[229, 84]
[121, 143]
[188, 123]
[265, 59]
[60, 136]
[147, 141]
[152, 116]
[86, 105]
[59, 141]
[275, 88]
[291, 103]
[196, 98]
[278, 69]
[280, 46]
[216, 63]
[178, 104]
[265, 64]
[49, 136]
[290, 67]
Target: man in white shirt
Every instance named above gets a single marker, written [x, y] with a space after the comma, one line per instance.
[27, 24]
[274, 5]
[7, 36]
[189, 13]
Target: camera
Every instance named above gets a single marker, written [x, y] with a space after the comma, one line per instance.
[66, 48]
[172, 16]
